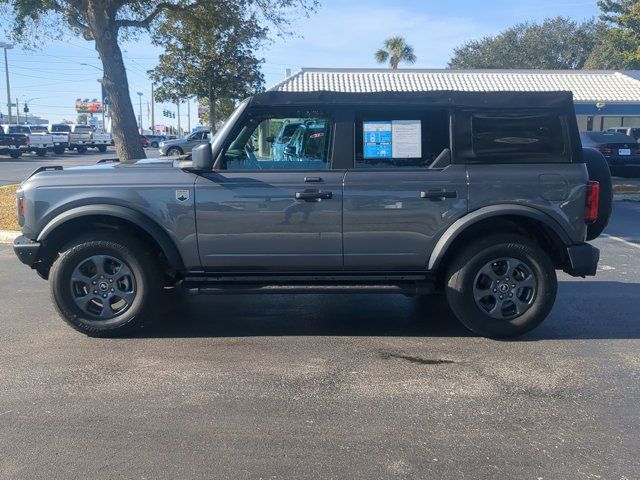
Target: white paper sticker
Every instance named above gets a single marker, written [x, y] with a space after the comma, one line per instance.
[407, 139]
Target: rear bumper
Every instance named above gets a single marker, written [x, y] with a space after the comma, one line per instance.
[26, 250]
[582, 260]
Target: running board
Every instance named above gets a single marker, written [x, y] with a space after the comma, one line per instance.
[239, 289]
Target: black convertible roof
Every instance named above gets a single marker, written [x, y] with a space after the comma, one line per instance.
[502, 100]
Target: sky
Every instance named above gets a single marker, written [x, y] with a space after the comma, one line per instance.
[339, 34]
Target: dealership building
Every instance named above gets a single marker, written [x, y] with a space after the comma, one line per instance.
[603, 98]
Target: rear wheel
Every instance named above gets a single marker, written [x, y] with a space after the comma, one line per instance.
[15, 154]
[58, 150]
[154, 144]
[105, 284]
[102, 148]
[41, 152]
[501, 286]
[81, 149]
[174, 151]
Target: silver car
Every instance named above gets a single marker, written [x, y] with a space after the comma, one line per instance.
[185, 144]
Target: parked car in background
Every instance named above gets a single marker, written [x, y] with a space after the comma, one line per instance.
[184, 144]
[35, 145]
[622, 152]
[59, 141]
[154, 140]
[280, 141]
[631, 131]
[13, 144]
[79, 135]
[308, 142]
[62, 134]
[100, 140]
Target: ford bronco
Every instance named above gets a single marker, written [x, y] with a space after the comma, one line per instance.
[482, 196]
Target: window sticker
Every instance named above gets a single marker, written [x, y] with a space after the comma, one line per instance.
[392, 139]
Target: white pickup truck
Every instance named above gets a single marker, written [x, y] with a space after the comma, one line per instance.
[59, 141]
[79, 136]
[38, 143]
[100, 140]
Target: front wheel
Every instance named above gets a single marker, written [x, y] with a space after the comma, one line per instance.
[15, 154]
[81, 149]
[501, 286]
[58, 150]
[41, 152]
[102, 148]
[174, 152]
[105, 284]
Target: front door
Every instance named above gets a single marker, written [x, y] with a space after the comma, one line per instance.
[269, 208]
[403, 191]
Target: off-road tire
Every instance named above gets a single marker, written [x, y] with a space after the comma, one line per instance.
[136, 256]
[463, 273]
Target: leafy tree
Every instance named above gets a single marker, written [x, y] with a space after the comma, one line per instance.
[556, 43]
[210, 55]
[82, 119]
[224, 108]
[106, 23]
[623, 42]
[395, 50]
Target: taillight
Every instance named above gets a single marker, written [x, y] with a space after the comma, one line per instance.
[591, 207]
[28, 139]
[603, 149]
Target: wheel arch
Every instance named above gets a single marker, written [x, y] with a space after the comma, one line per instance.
[57, 231]
[500, 218]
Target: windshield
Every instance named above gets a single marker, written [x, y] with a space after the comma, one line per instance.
[61, 128]
[19, 129]
[39, 129]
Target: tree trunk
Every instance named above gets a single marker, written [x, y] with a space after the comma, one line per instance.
[116, 85]
[212, 113]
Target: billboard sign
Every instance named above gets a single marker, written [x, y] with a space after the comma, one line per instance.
[88, 106]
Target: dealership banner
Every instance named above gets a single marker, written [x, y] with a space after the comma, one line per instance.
[88, 106]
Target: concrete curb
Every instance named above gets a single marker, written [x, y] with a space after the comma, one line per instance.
[8, 236]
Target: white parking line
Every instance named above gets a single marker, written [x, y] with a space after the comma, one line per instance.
[621, 240]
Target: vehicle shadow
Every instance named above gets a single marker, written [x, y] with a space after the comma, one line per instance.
[584, 310]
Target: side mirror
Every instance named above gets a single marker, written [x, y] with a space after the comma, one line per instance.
[202, 157]
[270, 139]
[290, 150]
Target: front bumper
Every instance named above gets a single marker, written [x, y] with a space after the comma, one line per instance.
[582, 260]
[26, 250]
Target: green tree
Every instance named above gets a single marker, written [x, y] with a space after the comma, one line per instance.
[395, 50]
[623, 38]
[210, 54]
[82, 119]
[556, 43]
[106, 23]
[224, 108]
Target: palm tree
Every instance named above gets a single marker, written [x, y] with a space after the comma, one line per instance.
[395, 50]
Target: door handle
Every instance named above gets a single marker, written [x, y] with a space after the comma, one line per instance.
[438, 194]
[314, 196]
[312, 179]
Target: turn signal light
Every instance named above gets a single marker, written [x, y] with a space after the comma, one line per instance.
[591, 207]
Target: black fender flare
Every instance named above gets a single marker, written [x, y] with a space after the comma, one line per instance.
[142, 221]
[460, 225]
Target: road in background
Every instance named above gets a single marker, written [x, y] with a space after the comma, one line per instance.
[333, 386]
[15, 170]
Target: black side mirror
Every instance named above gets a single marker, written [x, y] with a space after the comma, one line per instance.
[202, 157]
[290, 150]
[270, 139]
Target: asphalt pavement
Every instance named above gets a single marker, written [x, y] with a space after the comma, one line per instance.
[336, 386]
[15, 170]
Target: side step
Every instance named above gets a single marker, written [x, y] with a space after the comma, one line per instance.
[239, 289]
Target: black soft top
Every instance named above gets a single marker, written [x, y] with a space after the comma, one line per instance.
[500, 100]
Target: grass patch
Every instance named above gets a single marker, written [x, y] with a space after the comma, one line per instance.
[8, 220]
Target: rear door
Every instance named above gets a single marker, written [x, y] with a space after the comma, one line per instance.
[403, 191]
[260, 210]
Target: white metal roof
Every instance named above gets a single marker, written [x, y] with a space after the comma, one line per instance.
[586, 85]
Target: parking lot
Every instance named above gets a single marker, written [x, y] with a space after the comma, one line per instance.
[15, 170]
[327, 386]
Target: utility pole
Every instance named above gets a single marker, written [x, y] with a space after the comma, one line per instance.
[7, 46]
[17, 112]
[103, 106]
[140, 110]
[188, 115]
[153, 118]
[179, 129]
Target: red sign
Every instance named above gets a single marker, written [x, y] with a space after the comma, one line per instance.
[88, 106]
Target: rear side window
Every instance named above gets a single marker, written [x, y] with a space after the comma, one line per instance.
[402, 139]
[517, 135]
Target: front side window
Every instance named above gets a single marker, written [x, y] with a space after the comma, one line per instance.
[520, 135]
[281, 142]
[404, 139]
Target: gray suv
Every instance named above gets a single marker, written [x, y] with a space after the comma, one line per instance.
[182, 145]
[482, 196]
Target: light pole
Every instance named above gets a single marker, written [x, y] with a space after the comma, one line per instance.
[179, 128]
[140, 109]
[7, 46]
[102, 105]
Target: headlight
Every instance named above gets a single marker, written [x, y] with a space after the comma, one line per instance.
[161, 144]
